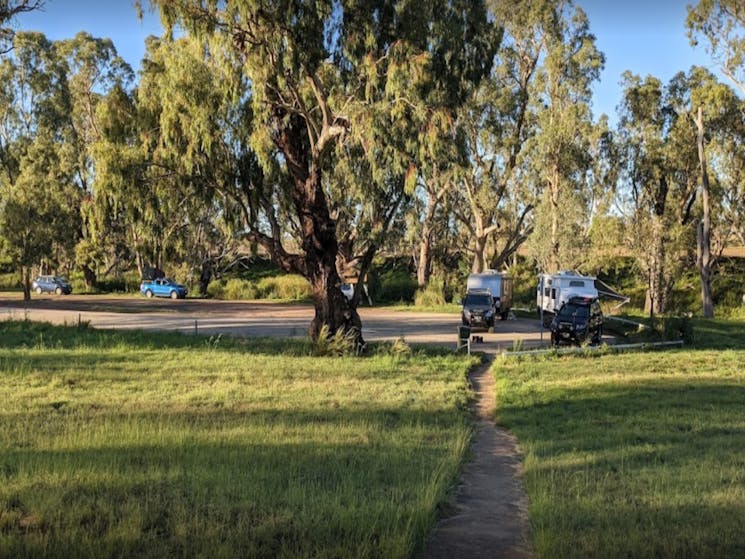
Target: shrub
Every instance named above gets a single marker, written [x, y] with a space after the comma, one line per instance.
[430, 296]
[291, 287]
[396, 285]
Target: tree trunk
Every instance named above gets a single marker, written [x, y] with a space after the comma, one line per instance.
[704, 258]
[89, 276]
[205, 276]
[478, 254]
[319, 242]
[26, 281]
[554, 260]
[657, 286]
[424, 270]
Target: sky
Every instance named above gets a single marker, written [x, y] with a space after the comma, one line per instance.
[647, 37]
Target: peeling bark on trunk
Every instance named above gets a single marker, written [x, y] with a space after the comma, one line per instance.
[657, 283]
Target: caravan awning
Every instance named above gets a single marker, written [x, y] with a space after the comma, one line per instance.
[605, 291]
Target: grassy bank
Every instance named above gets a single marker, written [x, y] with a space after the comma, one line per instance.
[634, 455]
[126, 444]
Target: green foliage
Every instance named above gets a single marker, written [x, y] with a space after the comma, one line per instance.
[430, 296]
[340, 343]
[150, 444]
[285, 287]
[395, 286]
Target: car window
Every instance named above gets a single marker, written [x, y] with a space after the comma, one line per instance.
[472, 299]
[571, 310]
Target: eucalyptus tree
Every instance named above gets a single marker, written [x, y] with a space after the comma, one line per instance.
[8, 10]
[665, 167]
[716, 115]
[320, 72]
[722, 23]
[497, 122]
[561, 151]
[93, 68]
[38, 217]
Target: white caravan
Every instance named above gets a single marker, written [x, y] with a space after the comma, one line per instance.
[555, 289]
[499, 286]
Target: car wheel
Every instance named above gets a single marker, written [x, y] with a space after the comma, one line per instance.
[38, 290]
[149, 294]
[174, 295]
[598, 336]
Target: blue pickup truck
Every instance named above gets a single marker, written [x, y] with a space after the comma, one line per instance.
[162, 287]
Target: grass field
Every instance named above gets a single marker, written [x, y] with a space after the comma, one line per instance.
[127, 444]
[634, 455]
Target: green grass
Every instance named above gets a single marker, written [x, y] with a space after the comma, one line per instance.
[634, 455]
[156, 445]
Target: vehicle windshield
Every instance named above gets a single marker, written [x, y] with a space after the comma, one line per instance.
[478, 300]
[572, 310]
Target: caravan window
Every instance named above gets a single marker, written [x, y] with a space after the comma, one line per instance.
[547, 292]
[553, 293]
[576, 283]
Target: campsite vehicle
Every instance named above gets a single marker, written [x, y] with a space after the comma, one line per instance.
[478, 309]
[556, 289]
[579, 319]
[499, 286]
[51, 284]
[162, 287]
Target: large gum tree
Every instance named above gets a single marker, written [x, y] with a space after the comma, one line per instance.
[318, 70]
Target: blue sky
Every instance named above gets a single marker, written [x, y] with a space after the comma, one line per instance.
[644, 36]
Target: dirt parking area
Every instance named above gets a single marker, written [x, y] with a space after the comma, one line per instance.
[258, 318]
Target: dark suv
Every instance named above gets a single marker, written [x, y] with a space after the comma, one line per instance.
[478, 309]
[51, 284]
[578, 320]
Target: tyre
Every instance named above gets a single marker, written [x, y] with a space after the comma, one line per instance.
[149, 294]
[598, 337]
[174, 295]
[38, 290]
[58, 291]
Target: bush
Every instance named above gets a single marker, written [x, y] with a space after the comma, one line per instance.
[430, 296]
[287, 287]
[291, 287]
[396, 285]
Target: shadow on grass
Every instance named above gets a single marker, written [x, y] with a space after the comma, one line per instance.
[211, 491]
[15, 334]
[650, 469]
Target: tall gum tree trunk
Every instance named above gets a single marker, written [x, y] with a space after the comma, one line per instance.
[554, 197]
[703, 252]
[319, 241]
[425, 247]
[478, 254]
